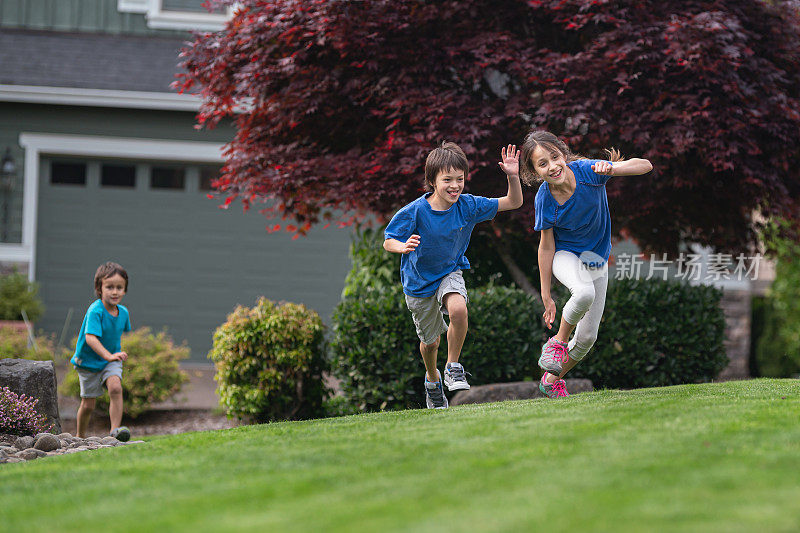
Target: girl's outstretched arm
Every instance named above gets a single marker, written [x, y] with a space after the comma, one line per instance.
[627, 167]
[547, 249]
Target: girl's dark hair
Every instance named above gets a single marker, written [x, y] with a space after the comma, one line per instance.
[446, 157]
[548, 141]
[106, 270]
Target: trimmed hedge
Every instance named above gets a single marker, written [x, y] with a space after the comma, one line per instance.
[269, 361]
[376, 348]
[150, 375]
[655, 333]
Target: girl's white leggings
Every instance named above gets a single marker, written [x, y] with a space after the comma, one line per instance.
[585, 307]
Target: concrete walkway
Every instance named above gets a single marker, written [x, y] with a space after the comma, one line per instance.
[197, 393]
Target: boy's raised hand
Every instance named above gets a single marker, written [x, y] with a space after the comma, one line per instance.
[510, 160]
[411, 244]
[119, 356]
[603, 167]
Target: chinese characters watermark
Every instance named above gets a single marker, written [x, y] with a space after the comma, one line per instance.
[689, 267]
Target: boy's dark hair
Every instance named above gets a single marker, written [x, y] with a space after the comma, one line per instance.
[448, 156]
[106, 270]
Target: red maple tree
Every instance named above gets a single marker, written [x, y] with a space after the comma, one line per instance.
[337, 103]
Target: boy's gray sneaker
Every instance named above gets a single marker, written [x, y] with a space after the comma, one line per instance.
[455, 377]
[554, 354]
[434, 395]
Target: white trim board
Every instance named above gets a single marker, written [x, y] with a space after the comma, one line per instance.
[34, 94]
[38, 144]
[159, 18]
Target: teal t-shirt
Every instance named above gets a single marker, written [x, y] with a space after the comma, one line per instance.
[100, 323]
[444, 238]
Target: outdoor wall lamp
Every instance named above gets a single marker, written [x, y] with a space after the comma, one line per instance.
[8, 176]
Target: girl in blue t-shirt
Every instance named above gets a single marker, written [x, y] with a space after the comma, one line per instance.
[572, 214]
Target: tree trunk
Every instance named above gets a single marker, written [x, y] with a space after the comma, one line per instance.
[516, 272]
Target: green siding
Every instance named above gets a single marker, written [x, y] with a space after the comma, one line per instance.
[190, 263]
[75, 15]
[17, 118]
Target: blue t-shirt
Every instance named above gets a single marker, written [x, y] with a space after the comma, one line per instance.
[444, 237]
[583, 222]
[99, 322]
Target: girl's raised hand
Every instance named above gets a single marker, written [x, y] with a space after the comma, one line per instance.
[603, 167]
[510, 160]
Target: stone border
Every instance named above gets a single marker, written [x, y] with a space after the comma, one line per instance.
[20, 449]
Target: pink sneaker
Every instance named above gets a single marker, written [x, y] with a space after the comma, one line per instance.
[557, 389]
[554, 354]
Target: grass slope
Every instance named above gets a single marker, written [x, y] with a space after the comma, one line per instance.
[712, 457]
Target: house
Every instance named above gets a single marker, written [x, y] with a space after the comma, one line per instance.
[103, 163]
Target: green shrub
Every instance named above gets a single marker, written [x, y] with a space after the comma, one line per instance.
[770, 351]
[655, 333]
[151, 374]
[777, 349]
[376, 348]
[17, 294]
[14, 344]
[269, 361]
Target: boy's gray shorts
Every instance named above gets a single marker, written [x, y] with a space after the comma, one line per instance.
[428, 313]
[92, 382]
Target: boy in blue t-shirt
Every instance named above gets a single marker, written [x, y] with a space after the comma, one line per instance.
[98, 355]
[433, 233]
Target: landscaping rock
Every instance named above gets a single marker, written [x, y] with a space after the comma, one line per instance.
[23, 443]
[110, 441]
[518, 390]
[30, 454]
[8, 449]
[65, 436]
[36, 379]
[47, 443]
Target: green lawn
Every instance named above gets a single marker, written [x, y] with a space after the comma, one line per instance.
[714, 457]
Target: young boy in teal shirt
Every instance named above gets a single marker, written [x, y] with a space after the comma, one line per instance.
[98, 355]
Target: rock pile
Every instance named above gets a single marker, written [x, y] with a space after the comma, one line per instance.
[18, 449]
[518, 390]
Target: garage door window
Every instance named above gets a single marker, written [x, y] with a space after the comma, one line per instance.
[118, 176]
[168, 178]
[63, 173]
[207, 174]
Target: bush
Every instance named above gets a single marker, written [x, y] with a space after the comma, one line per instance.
[269, 361]
[770, 353]
[376, 348]
[17, 294]
[18, 414]
[777, 349]
[151, 373]
[655, 333]
[14, 344]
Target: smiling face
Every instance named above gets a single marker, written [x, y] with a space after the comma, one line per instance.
[112, 289]
[550, 165]
[447, 188]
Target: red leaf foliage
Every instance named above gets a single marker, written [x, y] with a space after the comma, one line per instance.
[337, 103]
